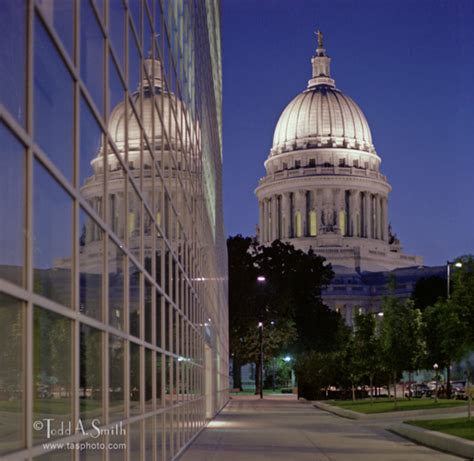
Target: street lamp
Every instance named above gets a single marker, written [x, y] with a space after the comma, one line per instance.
[435, 368]
[261, 279]
[457, 264]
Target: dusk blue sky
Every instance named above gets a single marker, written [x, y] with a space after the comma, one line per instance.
[410, 67]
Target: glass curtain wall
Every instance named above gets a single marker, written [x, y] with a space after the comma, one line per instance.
[113, 270]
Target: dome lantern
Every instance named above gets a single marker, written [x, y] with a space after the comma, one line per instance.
[321, 66]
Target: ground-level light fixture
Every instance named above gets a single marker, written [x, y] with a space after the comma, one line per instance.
[435, 368]
[287, 359]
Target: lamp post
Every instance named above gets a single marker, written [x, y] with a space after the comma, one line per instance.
[287, 359]
[457, 264]
[448, 275]
[435, 368]
[260, 371]
[261, 279]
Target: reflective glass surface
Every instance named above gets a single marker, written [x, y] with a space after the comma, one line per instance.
[52, 242]
[53, 102]
[12, 364]
[12, 62]
[12, 210]
[52, 370]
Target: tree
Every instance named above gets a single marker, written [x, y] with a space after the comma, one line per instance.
[401, 339]
[367, 347]
[462, 297]
[290, 297]
[449, 324]
[428, 291]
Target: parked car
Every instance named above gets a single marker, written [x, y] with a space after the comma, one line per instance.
[458, 390]
[418, 391]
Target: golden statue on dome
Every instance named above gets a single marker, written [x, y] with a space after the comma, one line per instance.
[320, 36]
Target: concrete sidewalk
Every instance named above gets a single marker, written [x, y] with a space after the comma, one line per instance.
[282, 428]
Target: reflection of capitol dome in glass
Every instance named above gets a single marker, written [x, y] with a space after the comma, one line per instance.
[161, 115]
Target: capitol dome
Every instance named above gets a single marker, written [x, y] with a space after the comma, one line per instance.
[321, 116]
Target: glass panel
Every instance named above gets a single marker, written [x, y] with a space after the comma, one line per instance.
[159, 379]
[53, 102]
[159, 436]
[168, 379]
[134, 304]
[12, 337]
[90, 376]
[116, 285]
[148, 39]
[91, 152]
[59, 14]
[169, 434]
[92, 54]
[118, 449]
[159, 319]
[133, 62]
[12, 237]
[135, 11]
[148, 311]
[148, 380]
[135, 440]
[91, 251]
[57, 455]
[52, 211]
[134, 221]
[116, 95]
[89, 451]
[100, 7]
[134, 379]
[149, 435]
[52, 370]
[116, 378]
[13, 57]
[116, 194]
[117, 29]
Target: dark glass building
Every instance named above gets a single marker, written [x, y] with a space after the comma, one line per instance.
[113, 271]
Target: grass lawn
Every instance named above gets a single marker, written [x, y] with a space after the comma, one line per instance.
[459, 427]
[385, 405]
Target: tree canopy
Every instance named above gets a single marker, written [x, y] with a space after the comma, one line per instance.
[288, 302]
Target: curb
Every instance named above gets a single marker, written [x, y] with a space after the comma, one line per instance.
[402, 414]
[438, 440]
[339, 411]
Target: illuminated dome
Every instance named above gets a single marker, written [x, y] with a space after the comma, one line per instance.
[321, 116]
[168, 105]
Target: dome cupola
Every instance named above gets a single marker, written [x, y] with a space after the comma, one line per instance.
[321, 116]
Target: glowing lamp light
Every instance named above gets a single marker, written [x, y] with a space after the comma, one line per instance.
[458, 264]
[287, 359]
[261, 278]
